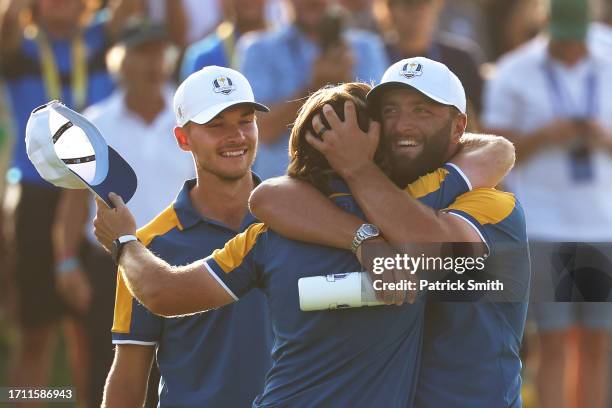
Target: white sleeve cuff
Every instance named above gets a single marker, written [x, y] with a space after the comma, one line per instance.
[462, 174]
[471, 224]
[223, 285]
[136, 342]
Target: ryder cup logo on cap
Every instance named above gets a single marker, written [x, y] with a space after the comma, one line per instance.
[412, 69]
[68, 151]
[209, 91]
[223, 85]
[429, 77]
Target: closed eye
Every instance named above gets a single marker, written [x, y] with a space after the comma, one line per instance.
[389, 110]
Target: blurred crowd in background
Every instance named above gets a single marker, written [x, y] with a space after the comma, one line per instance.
[539, 75]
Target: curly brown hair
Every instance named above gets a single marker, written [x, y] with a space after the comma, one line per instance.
[306, 162]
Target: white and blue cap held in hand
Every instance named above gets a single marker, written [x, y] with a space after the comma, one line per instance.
[68, 151]
[209, 91]
[429, 77]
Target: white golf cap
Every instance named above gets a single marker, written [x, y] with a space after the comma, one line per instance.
[429, 77]
[68, 151]
[209, 91]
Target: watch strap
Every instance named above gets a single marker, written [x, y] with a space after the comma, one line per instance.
[360, 236]
[118, 246]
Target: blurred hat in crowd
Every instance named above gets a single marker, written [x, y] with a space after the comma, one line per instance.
[431, 78]
[569, 19]
[138, 31]
[209, 91]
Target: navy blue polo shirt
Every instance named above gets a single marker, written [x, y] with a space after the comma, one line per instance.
[26, 88]
[213, 359]
[362, 357]
[471, 346]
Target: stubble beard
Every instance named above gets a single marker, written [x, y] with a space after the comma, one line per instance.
[405, 170]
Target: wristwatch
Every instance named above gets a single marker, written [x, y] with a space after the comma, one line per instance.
[365, 232]
[118, 246]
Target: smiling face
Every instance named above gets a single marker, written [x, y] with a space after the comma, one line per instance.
[420, 134]
[223, 147]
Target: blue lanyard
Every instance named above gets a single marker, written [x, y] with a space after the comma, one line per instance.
[561, 100]
[581, 167]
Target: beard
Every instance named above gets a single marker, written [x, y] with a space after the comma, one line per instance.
[435, 147]
[225, 175]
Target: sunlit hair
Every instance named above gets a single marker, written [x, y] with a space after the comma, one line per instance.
[307, 163]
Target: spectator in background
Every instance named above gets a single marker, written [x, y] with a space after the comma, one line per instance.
[516, 23]
[6, 145]
[468, 19]
[285, 65]
[600, 32]
[554, 103]
[420, 38]
[137, 121]
[186, 21]
[60, 55]
[361, 14]
[218, 48]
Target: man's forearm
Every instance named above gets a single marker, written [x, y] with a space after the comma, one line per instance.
[318, 220]
[156, 284]
[176, 22]
[126, 385]
[144, 273]
[526, 146]
[484, 159]
[401, 218]
[121, 11]
[10, 29]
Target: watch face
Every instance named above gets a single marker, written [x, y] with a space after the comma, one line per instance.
[370, 229]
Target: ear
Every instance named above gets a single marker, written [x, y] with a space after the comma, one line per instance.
[459, 126]
[181, 138]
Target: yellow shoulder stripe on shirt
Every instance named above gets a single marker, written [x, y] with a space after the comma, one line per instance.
[160, 225]
[427, 183]
[234, 251]
[335, 195]
[486, 205]
[164, 222]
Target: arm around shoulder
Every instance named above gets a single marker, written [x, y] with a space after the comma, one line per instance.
[297, 210]
[485, 159]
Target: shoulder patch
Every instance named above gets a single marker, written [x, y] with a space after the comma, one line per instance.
[427, 184]
[164, 222]
[235, 250]
[486, 205]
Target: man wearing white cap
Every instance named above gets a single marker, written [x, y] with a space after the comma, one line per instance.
[321, 359]
[470, 355]
[201, 358]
